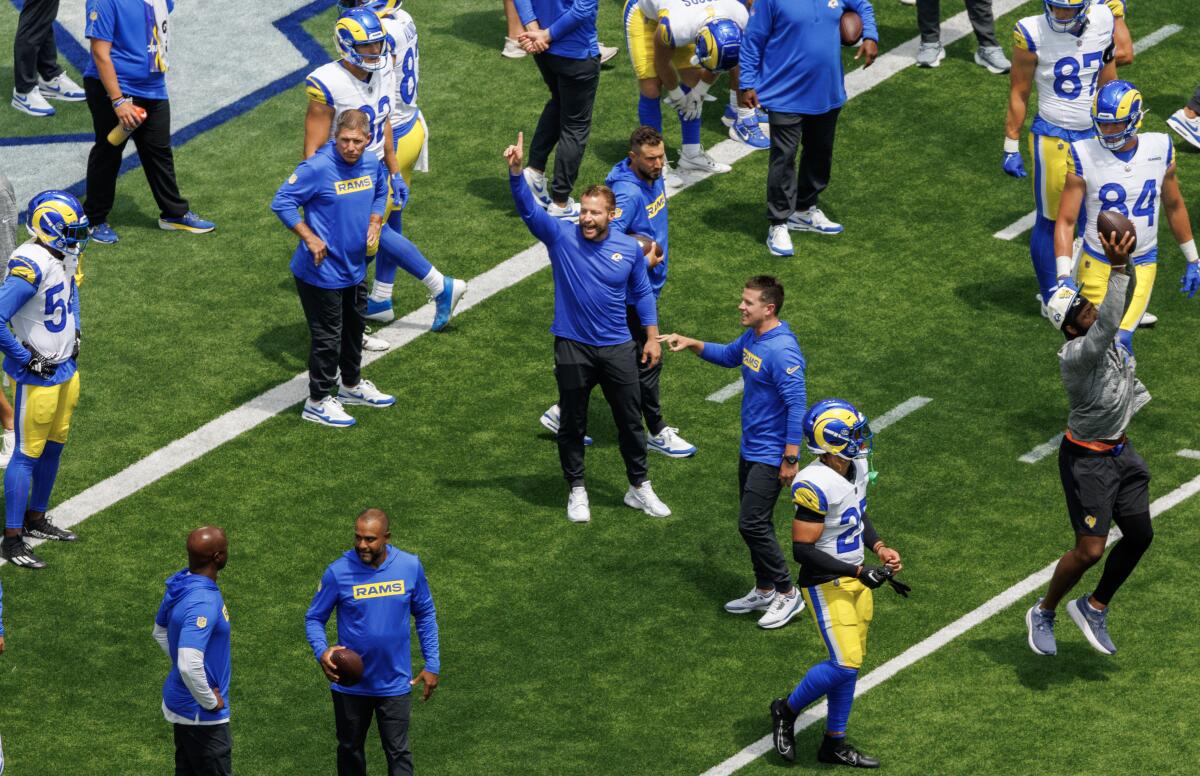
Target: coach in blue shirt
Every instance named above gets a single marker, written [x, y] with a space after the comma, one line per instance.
[343, 192]
[561, 35]
[791, 64]
[125, 83]
[192, 627]
[774, 401]
[596, 269]
[375, 588]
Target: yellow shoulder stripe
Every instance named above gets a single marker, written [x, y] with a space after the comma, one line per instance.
[21, 268]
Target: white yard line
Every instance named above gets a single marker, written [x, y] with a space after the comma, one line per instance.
[937, 640]
[1042, 450]
[1193, 454]
[898, 412]
[1025, 222]
[215, 433]
[726, 393]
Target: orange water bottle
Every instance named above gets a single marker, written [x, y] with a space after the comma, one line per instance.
[119, 134]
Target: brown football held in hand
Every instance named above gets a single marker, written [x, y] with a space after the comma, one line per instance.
[349, 666]
[851, 28]
[1110, 221]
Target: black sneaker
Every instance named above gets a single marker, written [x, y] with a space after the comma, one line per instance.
[838, 752]
[783, 731]
[46, 529]
[17, 552]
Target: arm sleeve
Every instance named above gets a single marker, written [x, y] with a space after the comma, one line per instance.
[100, 21]
[579, 12]
[870, 536]
[15, 292]
[754, 39]
[1092, 346]
[160, 635]
[543, 226]
[864, 9]
[639, 289]
[425, 616]
[190, 663]
[727, 356]
[808, 556]
[382, 181]
[525, 11]
[789, 382]
[75, 309]
[318, 613]
[292, 195]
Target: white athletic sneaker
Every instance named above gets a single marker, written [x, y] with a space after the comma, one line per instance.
[537, 186]
[373, 343]
[670, 177]
[1188, 129]
[578, 510]
[567, 212]
[701, 162]
[512, 49]
[753, 601]
[812, 220]
[644, 498]
[1147, 320]
[782, 610]
[992, 57]
[550, 419]
[930, 54]
[669, 443]
[32, 103]
[366, 394]
[607, 53]
[7, 447]
[327, 412]
[779, 242]
[61, 88]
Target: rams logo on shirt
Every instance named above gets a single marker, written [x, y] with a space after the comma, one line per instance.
[225, 611]
[750, 360]
[658, 204]
[353, 185]
[378, 589]
[201, 622]
[617, 256]
[1090, 520]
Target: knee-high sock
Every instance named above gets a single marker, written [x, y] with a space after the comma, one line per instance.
[44, 475]
[396, 250]
[1124, 557]
[841, 698]
[650, 112]
[1041, 250]
[17, 480]
[819, 680]
[689, 127]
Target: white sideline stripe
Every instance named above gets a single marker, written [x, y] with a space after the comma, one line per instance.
[939, 639]
[726, 393]
[216, 432]
[898, 412]
[1025, 222]
[1193, 454]
[1042, 450]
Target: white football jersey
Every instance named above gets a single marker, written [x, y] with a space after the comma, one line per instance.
[335, 86]
[407, 73]
[820, 489]
[45, 323]
[1068, 66]
[682, 19]
[1133, 188]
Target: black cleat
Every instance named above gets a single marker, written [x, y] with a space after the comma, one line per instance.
[17, 552]
[783, 731]
[44, 528]
[838, 752]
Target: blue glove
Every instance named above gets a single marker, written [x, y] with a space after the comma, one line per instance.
[1014, 166]
[1068, 283]
[1191, 279]
[399, 191]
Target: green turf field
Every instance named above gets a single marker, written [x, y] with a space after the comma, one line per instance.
[603, 649]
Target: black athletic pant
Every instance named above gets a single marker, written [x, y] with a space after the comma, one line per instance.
[577, 369]
[336, 323]
[978, 11]
[34, 50]
[203, 750]
[1194, 103]
[566, 120]
[758, 489]
[647, 376]
[153, 141]
[789, 190]
[352, 716]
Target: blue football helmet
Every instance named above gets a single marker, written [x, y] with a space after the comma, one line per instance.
[717, 45]
[360, 27]
[381, 7]
[1073, 24]
[1117, 102]
[836, 426]
[57, 220]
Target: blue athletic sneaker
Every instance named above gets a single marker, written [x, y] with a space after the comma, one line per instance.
[1094, 624]
[327, 412]
[760, 113]
[749, 131]
[103, 233]
[1041, 630]
[380, 311]
[188, 222]
[729, 117]
[452, 292]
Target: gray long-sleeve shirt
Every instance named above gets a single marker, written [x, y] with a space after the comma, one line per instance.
[1098, 372]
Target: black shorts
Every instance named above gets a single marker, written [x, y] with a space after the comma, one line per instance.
[1101, 486]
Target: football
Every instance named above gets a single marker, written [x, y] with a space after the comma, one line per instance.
[649, 246]
[851, 28]
[1110, 221]
[349, 666]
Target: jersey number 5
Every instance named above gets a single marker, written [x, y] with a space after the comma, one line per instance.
[56, 308]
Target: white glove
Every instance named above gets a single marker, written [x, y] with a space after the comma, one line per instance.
[676, 99]
[694, 102]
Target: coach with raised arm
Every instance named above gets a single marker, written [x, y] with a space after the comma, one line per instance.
[595, 270]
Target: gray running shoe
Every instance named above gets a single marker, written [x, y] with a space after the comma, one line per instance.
[1041, 630]
[930, 54]
[1094, 624]
[992, 57]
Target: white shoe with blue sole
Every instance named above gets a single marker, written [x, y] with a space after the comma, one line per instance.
[61, 88]
[452, 294]
[366, 395]
[538, 187]
[813, 220]
[32, 103]
[1188, 129]
[779, 242]
[669, 443]
[549, 421]
[327, 412]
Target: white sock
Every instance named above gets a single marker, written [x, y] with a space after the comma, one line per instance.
[434, 281]
[692, 149]
[733, 99]
[381, 292]
[745, 113]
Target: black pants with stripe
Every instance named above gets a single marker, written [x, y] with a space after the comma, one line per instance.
[566, 120]
[647, 376]
[34, 51]
[790, 189]
[336, 324]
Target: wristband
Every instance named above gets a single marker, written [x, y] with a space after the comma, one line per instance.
[1011, 145]
[119, 101]
[1189, 251]
[1062, 266]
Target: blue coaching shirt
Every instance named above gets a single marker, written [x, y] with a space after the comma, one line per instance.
[572, 25]
[194, 614]
[338, 200]
[139, 44]
[373, 608]
[641, 209]
[774, 399]
[591, 279]
[791, 53]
